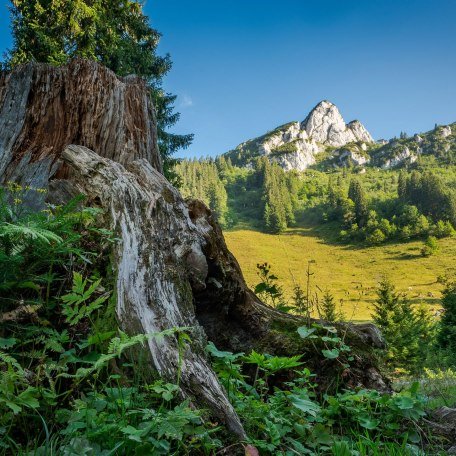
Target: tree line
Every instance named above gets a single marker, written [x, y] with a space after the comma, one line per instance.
[397, 205]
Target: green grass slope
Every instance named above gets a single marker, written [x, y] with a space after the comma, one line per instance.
[350, 273]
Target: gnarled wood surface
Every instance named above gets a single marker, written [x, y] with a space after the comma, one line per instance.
[45, 108]
[159, 260]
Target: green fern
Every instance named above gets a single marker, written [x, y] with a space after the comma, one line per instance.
[77, 304]
[9, 360]
[20, 235]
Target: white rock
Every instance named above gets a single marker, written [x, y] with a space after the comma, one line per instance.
[323, 127]
[299, 160]
[404, 155]
[445, 131]
[356, 158]
[326, 125]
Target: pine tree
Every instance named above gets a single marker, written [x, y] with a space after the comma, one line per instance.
[357, 195]
[200, 179]
[332, 194]
[115, 33]
[447, 331]
[299, 300]
[402, 185]
[328, 307]
[278, 206]
[394, 315]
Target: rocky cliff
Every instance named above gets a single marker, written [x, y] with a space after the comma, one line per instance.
[296, 144]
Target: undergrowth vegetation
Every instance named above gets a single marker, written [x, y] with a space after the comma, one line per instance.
[71, 382]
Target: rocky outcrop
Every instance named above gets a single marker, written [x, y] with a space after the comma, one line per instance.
[294, 146]
[349, 156]
[445, 131]
[404, 155]
[45, 108]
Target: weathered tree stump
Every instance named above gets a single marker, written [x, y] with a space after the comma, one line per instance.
[172, 266]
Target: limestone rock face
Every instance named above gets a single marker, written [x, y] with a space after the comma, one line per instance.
[353, 156]
[326, 125]
[405, 154]
[445, 131]
[360, 132]
[294, 146]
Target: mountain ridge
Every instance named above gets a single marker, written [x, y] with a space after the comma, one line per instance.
[294, 145]
[324, 136]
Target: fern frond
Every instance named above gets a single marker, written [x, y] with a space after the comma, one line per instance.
[8, 359]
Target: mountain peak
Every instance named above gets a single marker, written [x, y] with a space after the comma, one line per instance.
[326, 125]
[295, 144]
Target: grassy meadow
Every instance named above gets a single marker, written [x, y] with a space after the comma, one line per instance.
[349, 272]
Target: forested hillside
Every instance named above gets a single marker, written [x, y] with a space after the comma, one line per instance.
[367, 205]
[356, 222]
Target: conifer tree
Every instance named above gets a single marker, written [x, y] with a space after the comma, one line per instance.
[447, 332]
[278, 208]
[328, 307]
[357, 195]
[401, 185]
[332, 194]
[394, 315]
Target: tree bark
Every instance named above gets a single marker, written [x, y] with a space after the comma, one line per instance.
[45, 108]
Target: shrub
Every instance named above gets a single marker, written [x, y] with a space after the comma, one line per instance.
[376, 237]
[430, 247]
[444, 229]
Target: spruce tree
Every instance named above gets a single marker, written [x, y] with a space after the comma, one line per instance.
[401, 185]
[328, 307]
[332, 194]
[357, 195]
[393, 314]
[447, 332]
[278, 207]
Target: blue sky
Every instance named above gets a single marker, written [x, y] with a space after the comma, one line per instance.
[242, 67]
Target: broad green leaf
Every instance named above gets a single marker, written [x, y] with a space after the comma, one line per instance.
[304, 332]
[305, 405]
[331, 354]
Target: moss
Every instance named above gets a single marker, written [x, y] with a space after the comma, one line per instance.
[287, 148]
[168, 195]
